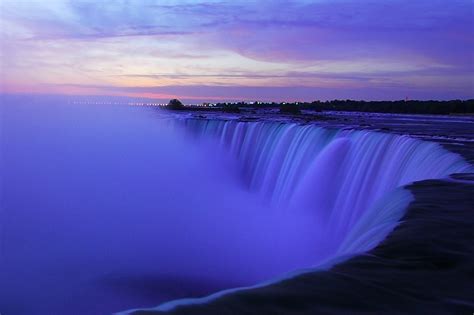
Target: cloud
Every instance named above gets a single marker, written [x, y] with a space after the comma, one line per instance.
[319, 44]
[441, 30]
[200, 93]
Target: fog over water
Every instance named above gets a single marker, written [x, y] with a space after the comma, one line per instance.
[106, 208]
[98, 196]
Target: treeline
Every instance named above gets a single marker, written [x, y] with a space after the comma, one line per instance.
[402, 107]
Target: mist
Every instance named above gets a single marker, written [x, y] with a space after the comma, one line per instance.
[106, 208]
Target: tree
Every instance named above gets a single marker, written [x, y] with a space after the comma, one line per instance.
[289, 108]
[231, 108]
[175, 104]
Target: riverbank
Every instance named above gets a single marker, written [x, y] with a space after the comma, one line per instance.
[425, 266]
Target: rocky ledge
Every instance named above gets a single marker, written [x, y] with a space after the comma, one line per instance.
[425, 266]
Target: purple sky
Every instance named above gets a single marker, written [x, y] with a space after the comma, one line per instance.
[239, 50]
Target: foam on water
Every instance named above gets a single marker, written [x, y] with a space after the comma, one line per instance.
[97, 201]
[341, 177]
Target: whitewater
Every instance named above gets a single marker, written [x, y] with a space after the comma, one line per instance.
[113, 207]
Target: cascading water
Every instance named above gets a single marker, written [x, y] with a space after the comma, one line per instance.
[110, 207]
[346, 179]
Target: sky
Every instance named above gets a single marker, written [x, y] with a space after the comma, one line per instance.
[215, 50]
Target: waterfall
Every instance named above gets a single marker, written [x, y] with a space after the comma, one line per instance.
[347, 179]
[116, 208]
[348, 183]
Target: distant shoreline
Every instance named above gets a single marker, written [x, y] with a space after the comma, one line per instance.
[430, 107]
[392, 107]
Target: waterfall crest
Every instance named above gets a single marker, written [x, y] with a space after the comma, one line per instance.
[347, 179]
[348, 182]
[117, 198]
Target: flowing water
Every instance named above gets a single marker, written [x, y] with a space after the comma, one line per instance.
[106, 208]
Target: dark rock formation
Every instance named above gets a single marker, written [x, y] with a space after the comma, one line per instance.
[426, 266]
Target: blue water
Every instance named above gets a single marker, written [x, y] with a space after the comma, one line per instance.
[106, 208]
[341, 178]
